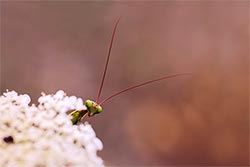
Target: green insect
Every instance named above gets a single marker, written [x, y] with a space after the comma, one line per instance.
[94, 107]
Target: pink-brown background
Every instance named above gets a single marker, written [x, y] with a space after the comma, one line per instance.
[202, 119]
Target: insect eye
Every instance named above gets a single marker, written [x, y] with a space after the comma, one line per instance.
[99, 109]
[88, 103]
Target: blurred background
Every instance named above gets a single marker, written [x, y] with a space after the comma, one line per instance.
[201, 119]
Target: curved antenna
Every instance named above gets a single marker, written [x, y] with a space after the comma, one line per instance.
[139, 85]
[107, 61]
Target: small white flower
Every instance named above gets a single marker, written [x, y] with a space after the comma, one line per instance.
[43, 135]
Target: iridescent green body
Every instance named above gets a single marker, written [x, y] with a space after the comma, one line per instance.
[77, 115]
[92, 109]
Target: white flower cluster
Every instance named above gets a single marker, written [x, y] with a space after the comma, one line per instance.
[43, 135]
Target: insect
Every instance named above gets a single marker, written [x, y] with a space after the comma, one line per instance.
[94, 107]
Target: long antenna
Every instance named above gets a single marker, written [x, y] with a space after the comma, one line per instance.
[141, 84]
[107, 61]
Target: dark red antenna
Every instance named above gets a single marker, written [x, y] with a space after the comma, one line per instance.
[141, 84]
[107, 61]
